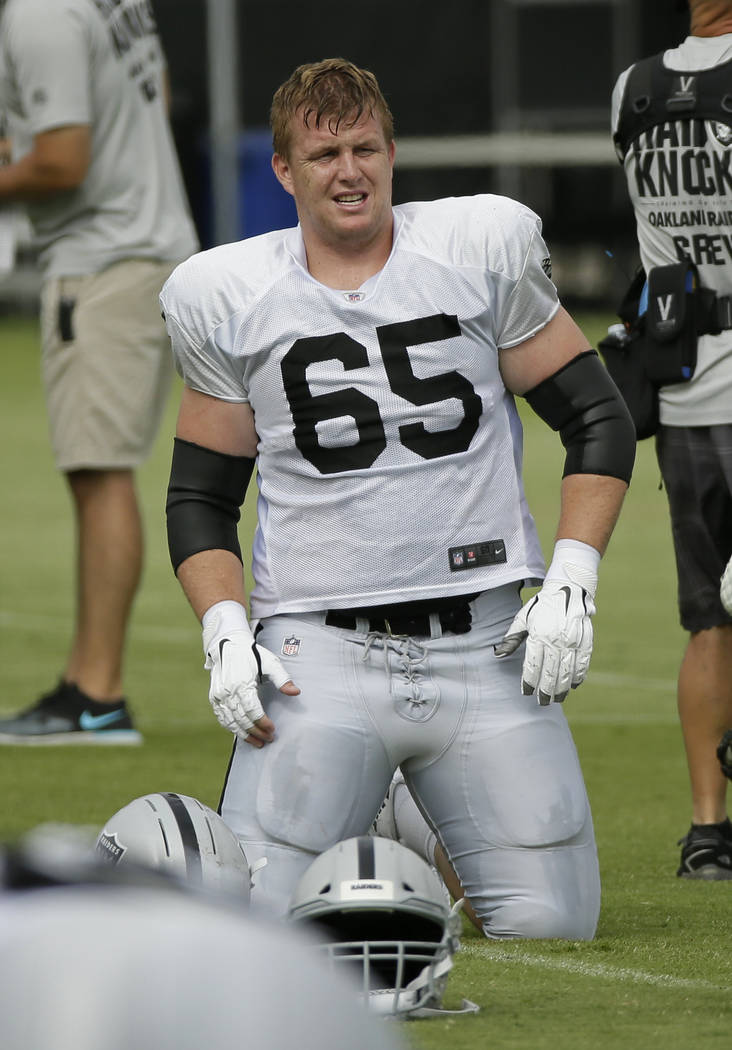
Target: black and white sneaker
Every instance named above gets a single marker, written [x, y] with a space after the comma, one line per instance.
[706, 852]
[68, 716]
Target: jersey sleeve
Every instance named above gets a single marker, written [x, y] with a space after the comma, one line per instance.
[201, 343]
[51, 55]
[533, 300]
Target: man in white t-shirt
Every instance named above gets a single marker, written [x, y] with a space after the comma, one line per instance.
[673, 129]
[83, 85]
[368, 360]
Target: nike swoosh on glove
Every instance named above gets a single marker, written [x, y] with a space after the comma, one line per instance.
[556, 625]
[725, 588]
[237, 665]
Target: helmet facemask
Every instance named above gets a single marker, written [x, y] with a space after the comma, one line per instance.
[392, 927]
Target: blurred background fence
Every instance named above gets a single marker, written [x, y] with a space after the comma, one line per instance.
[500, 96]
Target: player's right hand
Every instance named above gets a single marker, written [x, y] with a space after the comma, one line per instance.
[237, 665]
[725, 588]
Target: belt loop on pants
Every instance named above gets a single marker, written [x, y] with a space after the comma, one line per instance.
[408, 618]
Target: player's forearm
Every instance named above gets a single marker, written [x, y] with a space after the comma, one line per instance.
[212, 576]
[590, 507]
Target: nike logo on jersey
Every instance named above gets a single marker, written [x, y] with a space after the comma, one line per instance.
[88, 721]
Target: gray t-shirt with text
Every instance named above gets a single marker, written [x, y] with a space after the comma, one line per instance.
[96, 62]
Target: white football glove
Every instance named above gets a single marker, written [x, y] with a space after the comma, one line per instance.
[725, 589]
[556, 625]
[237, 664]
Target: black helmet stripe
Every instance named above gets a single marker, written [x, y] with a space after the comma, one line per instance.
[191, 851]
[366, 858]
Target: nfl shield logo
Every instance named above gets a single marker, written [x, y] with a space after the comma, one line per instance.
[291, 646]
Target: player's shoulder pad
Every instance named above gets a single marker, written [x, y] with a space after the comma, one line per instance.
[210, 286]
[485, 231]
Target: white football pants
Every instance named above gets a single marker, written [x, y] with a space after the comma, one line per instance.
[496, 775]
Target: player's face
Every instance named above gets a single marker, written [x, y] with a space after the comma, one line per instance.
[341, 182]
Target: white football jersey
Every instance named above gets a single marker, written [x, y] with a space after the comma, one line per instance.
[389, 456]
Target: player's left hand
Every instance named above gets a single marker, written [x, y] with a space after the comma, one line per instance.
[237, 666]
[556, 626]
[725, 589]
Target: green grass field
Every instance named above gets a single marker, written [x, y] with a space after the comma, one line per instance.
[659, 973]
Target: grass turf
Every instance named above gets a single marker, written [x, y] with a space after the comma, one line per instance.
[659, 972]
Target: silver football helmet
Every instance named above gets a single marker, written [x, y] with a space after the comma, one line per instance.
[383, 913]
[181, 836]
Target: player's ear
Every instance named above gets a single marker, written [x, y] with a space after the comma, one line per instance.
[281, 168]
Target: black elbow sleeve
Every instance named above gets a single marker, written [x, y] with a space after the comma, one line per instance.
[582, 402]
[205, 493]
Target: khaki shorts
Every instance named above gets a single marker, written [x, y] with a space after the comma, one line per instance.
[106, 364]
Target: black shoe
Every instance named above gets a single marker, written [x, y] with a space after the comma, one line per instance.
[68, 716]
[706, 852]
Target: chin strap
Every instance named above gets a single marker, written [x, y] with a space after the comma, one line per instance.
[254, 868]
[467, 1007]
[436, 976]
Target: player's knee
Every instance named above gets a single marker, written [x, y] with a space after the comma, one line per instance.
[539, 920]
[559, 899]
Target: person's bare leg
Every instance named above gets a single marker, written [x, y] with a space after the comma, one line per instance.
[705, 711]
[109, 566]
[449, 877]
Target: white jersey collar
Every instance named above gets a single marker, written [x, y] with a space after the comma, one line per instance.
[295, 246]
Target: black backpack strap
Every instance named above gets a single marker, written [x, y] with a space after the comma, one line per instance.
[655, 95]
[636, 104]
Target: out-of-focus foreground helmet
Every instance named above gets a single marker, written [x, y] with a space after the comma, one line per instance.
[384, 915]
[178, 835]
[115, 966]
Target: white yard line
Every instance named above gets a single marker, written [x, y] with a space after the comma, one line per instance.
[585, 969]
